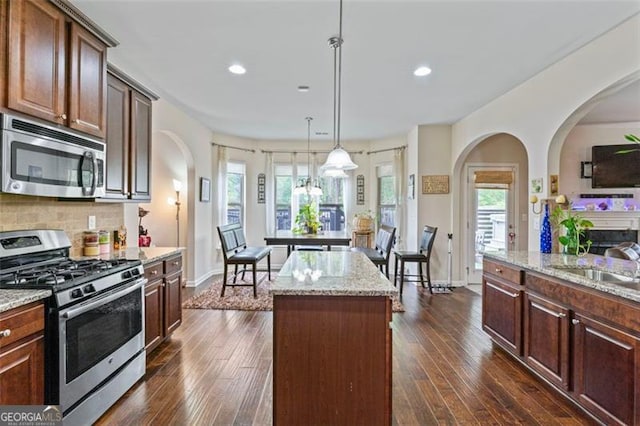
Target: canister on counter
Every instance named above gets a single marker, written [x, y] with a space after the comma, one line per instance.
[90, 242]
[105, 242]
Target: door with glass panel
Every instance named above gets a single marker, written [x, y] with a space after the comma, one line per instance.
[491, 212]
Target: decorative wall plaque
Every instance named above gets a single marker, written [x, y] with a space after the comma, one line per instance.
[553, 184]
[435, 184]
[261, 185]
[360, 190]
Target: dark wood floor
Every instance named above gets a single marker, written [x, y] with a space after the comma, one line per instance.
[216, 369]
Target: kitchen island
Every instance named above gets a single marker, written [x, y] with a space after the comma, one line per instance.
[331, 340]
[573, 321]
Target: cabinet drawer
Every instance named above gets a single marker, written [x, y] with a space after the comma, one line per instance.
[499, 269]
[21, 322]
[153, 271]
[173, 264]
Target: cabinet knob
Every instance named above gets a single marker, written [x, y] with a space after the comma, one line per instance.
[164, 285]
[515, 294]
[498, 271]
[5, 333]
[154, 272]
[75, 121]
[176, 263]
[562, 315]
[62, 116]
[575, 321]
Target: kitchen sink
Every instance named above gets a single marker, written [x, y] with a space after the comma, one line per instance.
[599, 275]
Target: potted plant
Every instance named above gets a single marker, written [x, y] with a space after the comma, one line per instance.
[307, 219]
[574, 226]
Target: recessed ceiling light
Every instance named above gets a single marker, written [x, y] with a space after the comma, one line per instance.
[422, 71]
[303, 88]
[322, 133]
[237, 69]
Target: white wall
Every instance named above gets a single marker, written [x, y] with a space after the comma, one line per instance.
[535, 110]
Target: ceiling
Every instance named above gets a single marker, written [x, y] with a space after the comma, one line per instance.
[621, 107]
[478, 50]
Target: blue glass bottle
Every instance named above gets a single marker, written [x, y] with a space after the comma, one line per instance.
[545, 232]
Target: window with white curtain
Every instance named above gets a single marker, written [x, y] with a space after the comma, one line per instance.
[386, 195]
[331, 206]
[235, 192]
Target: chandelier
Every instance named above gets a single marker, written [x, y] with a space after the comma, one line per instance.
[338, 159]
[307, 186]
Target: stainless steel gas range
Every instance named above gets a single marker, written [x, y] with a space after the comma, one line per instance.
[94, 329]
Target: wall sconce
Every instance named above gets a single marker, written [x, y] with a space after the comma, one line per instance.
[534, 200]
[177, 186]
[561, 199]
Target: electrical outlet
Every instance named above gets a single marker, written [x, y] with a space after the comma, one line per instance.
[91, 222]
[536, 223]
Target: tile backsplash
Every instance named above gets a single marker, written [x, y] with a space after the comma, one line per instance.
[28, 212]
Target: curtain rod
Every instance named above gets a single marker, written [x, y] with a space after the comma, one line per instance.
[264, 151]
[233, 147]
[387, 149]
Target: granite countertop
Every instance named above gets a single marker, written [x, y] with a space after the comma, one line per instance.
[10, 299]
[556, 265]
[145, 254]
[330, 273]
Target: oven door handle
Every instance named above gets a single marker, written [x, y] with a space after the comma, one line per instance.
[72, 313]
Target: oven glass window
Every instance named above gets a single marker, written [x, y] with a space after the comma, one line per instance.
[94, 335]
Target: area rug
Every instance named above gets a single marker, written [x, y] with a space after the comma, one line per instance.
[241, 298]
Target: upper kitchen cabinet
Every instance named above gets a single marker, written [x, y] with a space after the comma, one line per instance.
[128, 169]
[56, 64]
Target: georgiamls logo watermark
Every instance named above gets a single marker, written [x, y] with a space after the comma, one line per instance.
[30, 415]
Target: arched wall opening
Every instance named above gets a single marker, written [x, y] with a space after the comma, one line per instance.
[172, 159]
[495, 150]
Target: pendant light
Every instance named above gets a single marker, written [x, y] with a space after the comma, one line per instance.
[338, 158]
[308, 186]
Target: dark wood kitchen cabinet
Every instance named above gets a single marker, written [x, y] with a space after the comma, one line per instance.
[502, 292]
[128, 169]
[56, 66]
[546, 339]
[606, 371]
[22, 355]
[163, 300]
[583, 341]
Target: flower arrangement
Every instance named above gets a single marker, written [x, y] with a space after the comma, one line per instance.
[307, 219]
[574, 226]
[363, 221]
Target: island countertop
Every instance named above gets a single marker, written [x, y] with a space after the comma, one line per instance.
[10, 299]
[555, 265]
[330, 273]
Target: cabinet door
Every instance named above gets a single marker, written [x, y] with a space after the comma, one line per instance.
[153, 305]
[172, 302]
[606, 371]
[502, 313]
[140, 147]
[87, 83]
[22, 373]
[117, 161]
[546, 339]
[36, 63]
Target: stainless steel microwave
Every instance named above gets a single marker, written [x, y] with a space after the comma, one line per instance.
[48, 161]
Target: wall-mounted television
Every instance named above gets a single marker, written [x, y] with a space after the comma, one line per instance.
[612, 169]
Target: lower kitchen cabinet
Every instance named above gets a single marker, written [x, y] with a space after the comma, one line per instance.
[546, 339]
[502, 306]
[606, 370]
[22, 356]
[163, 300]
[584, 342]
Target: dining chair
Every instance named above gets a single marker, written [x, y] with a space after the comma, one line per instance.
[379, 255]
[419, 257]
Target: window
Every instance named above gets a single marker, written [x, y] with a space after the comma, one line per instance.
[235, 193]
[386, 196]
[331, 205]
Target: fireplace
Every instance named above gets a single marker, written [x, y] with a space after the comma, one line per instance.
[602, 239]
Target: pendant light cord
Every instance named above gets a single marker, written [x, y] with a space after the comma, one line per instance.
[339, 74]
[336, 44]
[309, 146]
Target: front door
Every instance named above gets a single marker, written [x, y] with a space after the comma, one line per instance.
[491, 213]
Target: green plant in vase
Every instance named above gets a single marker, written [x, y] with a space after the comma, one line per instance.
[574, 226]
[631, 138]
[307, 219]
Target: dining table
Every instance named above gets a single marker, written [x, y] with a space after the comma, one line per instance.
[322, 238]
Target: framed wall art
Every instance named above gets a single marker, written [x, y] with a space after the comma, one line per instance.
[360, 190]
[435, 184]
[536, 185]
[261, 188]
[205, 190]
[411, 190]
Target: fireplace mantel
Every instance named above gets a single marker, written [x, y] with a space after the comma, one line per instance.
[613, 219]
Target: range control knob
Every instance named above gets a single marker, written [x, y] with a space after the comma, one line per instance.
[135, 272]
[126, 275]
[89, 288]
[76, 293]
